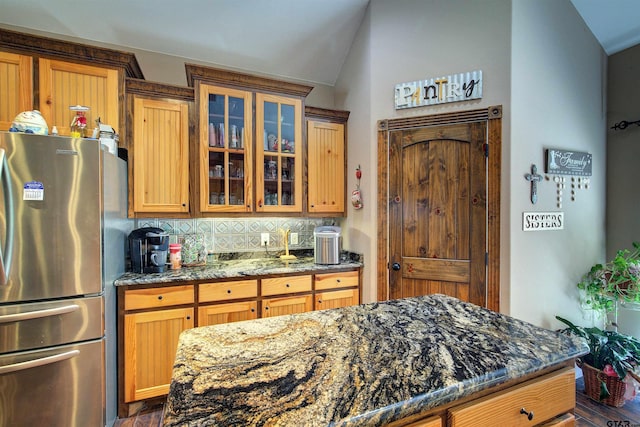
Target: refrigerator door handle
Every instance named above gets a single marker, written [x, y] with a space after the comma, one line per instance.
[29, 315]
[7, 254]
[15, 367]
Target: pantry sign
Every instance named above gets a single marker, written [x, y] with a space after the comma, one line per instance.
[439, 90]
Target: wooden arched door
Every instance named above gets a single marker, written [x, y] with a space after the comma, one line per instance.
[440, 220]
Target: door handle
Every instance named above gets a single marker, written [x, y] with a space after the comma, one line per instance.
[395, 266]
[29, 315]
[38, 362]
[5, 259]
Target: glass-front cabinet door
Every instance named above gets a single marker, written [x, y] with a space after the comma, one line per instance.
[226, 149]
[278, 154]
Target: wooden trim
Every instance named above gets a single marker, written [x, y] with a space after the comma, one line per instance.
[440, 119]
[243, 81]
[70, 51]
[336, 116]
[158, 90]
[493, 117]
[494, 164]
[383, 211]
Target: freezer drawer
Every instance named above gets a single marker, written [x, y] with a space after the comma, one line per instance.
[57, 387]
[51, 323]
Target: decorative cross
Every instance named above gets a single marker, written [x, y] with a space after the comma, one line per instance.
[534, 177]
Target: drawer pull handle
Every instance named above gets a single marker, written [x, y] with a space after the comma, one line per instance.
[528, 414]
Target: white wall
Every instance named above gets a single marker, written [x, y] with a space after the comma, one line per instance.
[405, 40]
[623, 174]
[539, 62]
[169, 69]
[545, 67]
[558, 101]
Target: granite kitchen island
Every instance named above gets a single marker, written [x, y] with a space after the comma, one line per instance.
[372, 364]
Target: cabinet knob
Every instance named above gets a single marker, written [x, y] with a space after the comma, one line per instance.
[319, 301]
[188, 317]
[338, 280]
[287, 285]
[266, 308]
[528, 414]
[159, 296]
[253, 310]
[313, 206]
[228, 291]
[395, 266]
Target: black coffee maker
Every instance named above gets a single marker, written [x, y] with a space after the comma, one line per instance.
[148, 247]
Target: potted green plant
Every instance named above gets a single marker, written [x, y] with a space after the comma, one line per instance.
[615, 281]
[612, 356]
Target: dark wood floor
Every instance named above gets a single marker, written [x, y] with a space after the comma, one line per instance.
[588, 413]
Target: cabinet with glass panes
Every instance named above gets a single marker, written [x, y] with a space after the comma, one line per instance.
[278, 153]
[226, 146]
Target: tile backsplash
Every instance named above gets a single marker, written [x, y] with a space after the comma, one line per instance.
[224, 235]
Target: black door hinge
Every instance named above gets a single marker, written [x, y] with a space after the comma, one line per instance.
[486, 150]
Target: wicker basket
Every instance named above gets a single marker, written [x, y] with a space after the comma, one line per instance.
[592, 379]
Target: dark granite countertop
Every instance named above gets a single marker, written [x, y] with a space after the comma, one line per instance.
[362, 365]
[238, 266]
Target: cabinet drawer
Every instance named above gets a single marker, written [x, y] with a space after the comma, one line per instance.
[337, 299]
[344, 279]
[135, 299]
[288, 305]
[546, 397]
[208, 292]
[286, 285]
[227, 313]
[429, 422]
[564, 420]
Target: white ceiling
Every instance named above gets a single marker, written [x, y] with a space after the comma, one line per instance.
[298, 39]
[615, 23]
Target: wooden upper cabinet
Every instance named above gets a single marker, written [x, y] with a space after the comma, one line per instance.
[65, 84]
[326, 161]
[326, 180]
[279, 150]
[251, 152]
[226, 149]
[16, 87]
[68, 74]
[160, 156]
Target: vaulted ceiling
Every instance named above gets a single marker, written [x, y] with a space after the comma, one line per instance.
[298, 39]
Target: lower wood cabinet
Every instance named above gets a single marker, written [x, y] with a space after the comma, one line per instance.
[429, 422]
[335, 290]
[336, 299]
[227, 313]
[548, 400]
[151, 340]
[286, 305]
[531, 403]
[152, 318]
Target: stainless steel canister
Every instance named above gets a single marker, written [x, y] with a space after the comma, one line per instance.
[327, 243]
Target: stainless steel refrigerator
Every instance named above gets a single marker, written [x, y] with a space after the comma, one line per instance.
[63, 231]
